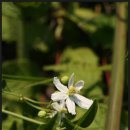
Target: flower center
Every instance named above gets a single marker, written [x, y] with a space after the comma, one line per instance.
[72, 90]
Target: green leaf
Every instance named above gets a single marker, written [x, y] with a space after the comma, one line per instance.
[85, 119]
[24, 67]
[10, 21]
[89, 116]
[68, 124]
[99, 121]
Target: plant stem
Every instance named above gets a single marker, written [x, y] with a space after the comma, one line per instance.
[14, 77]
[13, 94]
[22, 117]
[39, 83]
[117, 81]
[34, 101]
[24, 98]
[37, 107]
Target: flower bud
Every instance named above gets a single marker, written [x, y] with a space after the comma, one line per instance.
[64, 79]
[21, 98]
[41, 113]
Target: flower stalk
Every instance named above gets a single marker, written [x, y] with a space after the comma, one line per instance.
[22, 117]
[24, 98]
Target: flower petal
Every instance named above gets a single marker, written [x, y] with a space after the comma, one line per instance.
[70, 105]
[57, 96]
[79, 85]
[62, 104]
[82, 101]
[59, 86]
[52, 114]
[71, 80]
[56, 106]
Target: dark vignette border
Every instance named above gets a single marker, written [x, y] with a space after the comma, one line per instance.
[54, 1]
[0, 66]
[128, 70]
[65, 0]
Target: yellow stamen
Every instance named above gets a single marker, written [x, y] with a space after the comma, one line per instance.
[72, 90]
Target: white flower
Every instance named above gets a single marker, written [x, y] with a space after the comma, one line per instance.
[70, 94]
[51, 115]
[59, 107]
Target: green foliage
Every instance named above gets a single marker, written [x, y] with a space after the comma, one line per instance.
[23, 67]
[11, 16]
[12, 123]
[19, 81]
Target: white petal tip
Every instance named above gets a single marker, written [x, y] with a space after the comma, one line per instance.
[52, 99]
[55, 78]
[91, 103]
[73, 113]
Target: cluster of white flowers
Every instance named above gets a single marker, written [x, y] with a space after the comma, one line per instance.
[68, 96]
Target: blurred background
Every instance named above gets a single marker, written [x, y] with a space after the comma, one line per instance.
[47, 39]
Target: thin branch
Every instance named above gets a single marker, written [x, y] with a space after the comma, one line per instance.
[37, 107]
[24, 98]
[22, 117]
[34, 101]
[14, 77]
